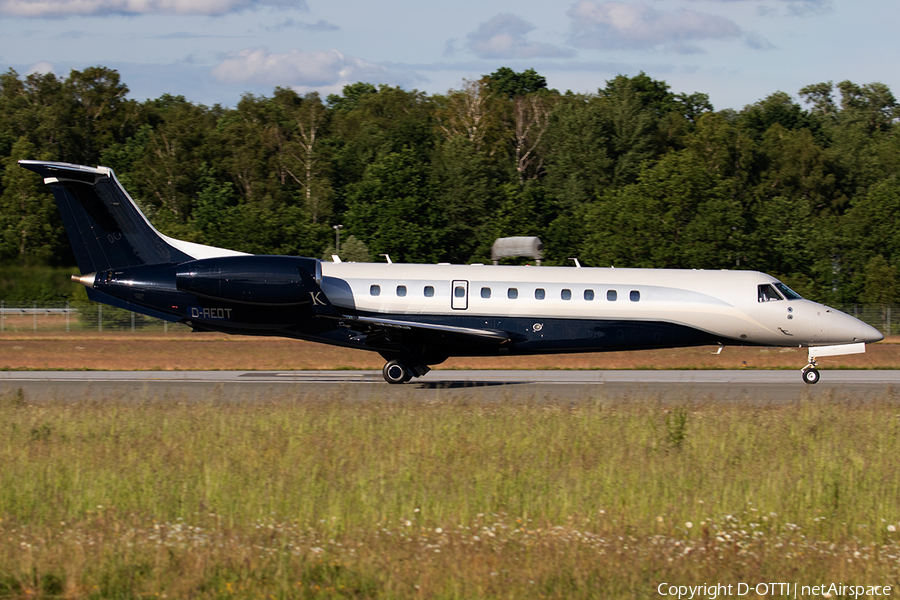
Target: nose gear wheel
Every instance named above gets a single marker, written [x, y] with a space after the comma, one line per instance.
[810, 373]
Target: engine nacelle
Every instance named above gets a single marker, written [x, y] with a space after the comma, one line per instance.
[260, 280]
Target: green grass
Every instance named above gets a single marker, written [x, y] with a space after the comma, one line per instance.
[297, 497]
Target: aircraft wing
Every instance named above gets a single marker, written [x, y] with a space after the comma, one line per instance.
[488, 336]
[379, 331]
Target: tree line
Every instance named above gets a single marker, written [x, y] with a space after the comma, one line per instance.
[633, 175]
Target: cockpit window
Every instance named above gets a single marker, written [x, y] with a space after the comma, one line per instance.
[767, 293]
[788, 292]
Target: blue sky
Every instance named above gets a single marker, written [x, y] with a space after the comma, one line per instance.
[211, 51]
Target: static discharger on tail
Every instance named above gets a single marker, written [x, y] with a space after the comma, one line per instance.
[414, 315]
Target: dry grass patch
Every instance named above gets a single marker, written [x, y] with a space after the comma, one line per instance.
[181, 350]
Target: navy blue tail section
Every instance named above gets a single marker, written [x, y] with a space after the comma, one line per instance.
[105, 227]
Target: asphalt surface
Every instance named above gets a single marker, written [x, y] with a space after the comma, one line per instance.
[557, 385]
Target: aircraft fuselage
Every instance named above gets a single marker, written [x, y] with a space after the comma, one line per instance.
[418, 315]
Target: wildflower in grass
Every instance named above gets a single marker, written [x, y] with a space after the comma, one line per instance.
[891, 528]
[659, 519]
[688, 524]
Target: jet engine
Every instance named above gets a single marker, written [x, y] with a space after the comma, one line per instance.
[258, 280]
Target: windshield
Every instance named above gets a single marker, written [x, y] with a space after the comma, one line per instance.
[788, 292]
[766, 293]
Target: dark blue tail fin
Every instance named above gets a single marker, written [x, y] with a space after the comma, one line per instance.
[104, 225]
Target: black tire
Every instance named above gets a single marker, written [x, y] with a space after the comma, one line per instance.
[810, 375]
[395, 372]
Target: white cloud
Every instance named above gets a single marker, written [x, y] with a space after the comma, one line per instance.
[804, 8]
[616, 25]
[758, 42]
[41, 68]
[320, 25]
[796, 8]
[305, 70]
[503, 36]
[64, 8]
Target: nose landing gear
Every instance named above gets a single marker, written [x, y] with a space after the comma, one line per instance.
[810, 373]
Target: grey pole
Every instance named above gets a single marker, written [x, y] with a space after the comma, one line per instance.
[337, 238]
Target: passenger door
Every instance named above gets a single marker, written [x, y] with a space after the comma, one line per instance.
[459, 295]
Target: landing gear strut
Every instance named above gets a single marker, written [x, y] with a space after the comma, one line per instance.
[396, 371]
[810, 373]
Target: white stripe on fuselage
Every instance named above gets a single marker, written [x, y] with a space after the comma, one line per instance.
[720, 302]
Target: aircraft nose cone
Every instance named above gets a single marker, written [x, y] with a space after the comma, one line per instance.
[869, 334]
[840, 328]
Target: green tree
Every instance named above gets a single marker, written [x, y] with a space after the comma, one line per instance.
[776, 109]
[464, 199]
[391, 209]
[870, 228]
[352, 250]
[880, 282]
[305, 151]
[350, 99]
[580, 161]
[792, 164]
[387, 121]
[31, 230]
[678, 215]
[99, 111]
[506, 83]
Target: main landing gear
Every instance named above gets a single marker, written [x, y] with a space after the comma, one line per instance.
[810, 373]
[396, 371]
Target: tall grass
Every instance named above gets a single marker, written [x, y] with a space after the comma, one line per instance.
[316, 496]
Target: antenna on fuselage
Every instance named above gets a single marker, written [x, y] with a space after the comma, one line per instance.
[577, 264]
[388, 257]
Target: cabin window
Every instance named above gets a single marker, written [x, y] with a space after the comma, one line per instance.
[459, 291]
[635, 296]
[512, 293]
[611, 295]
[429, 291]
[375, 290]
[766, 293]
[401, 290]
[485, 292]
[539, 294]
[588, 295]
[566, 294]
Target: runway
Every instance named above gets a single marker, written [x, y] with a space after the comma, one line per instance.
[754, 386]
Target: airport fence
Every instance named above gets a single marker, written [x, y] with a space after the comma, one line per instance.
[91, 316]
[74, 317]
[883, 317]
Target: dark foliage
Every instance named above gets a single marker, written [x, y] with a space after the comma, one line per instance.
[633, 175]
